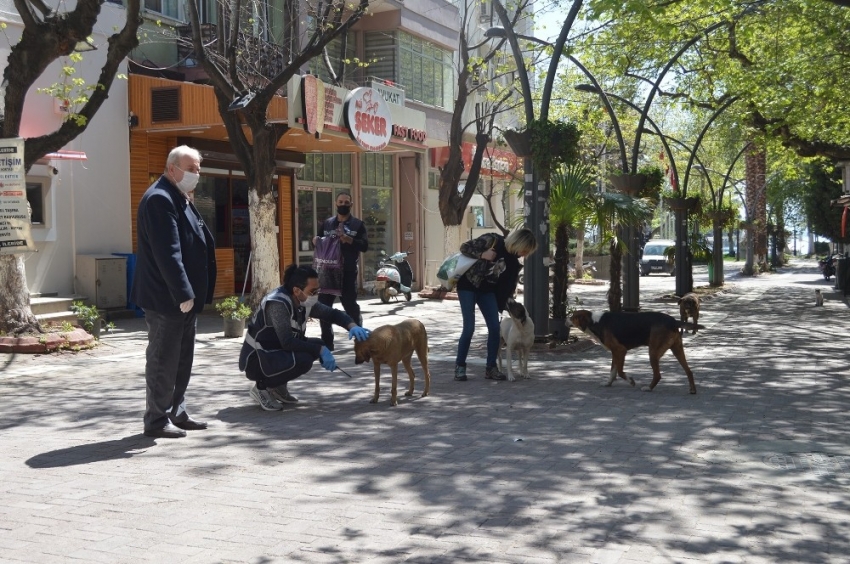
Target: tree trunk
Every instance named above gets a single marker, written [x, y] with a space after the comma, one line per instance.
[562, 261]
[265, 264]
[615, 291]
[579, 264]
[15, 313]
[756, 165]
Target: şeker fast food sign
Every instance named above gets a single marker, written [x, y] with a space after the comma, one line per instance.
[368, 119]
[363, 113]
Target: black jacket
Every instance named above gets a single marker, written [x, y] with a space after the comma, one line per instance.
[472, 280]
[175, 259]
[356, 229]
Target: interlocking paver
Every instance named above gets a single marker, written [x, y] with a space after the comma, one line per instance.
[754, 468]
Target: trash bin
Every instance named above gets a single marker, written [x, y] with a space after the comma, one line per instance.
[842, 265]
[710, 270]
[131, 271]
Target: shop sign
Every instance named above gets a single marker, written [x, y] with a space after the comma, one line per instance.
[390, 93]
[498, 163]
[409, 133]
[368, 119]
[313, 102]
[318, 106]
[15, 236]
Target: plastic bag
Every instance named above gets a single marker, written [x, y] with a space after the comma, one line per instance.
[453, 268]
[327, 261]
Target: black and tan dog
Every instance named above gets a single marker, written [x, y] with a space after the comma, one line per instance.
[391, 344]
[689, 307]
[620, 332]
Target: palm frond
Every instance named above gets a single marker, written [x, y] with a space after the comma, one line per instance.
[570, 196]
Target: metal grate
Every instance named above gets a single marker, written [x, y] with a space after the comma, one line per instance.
[165, 104]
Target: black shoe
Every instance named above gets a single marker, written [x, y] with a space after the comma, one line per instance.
[460, 373]
[191, 424]
[167, 432]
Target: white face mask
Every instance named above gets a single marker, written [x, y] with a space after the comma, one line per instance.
[188, 182]
[310, 302]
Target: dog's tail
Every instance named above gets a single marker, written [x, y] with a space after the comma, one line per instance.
[689, 325]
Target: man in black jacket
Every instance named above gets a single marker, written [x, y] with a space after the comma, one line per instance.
[174, 278]
[352, 235]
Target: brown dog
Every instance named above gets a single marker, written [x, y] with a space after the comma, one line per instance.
[689, 307]
[389, 344]
[620, 332]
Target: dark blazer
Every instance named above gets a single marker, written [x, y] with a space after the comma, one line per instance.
[175, 260]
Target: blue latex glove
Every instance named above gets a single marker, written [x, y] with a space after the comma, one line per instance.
[328, 362]
[358, 333]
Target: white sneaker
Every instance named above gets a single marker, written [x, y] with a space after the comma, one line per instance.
[264, 399]
[281, 394]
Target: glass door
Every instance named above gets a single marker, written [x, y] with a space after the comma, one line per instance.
[315, 205]
[241, 227]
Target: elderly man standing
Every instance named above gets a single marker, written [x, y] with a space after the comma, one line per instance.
[174, 278]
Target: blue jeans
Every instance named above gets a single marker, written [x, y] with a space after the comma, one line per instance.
[486, 302]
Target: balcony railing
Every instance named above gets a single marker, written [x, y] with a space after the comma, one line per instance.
[258, 60]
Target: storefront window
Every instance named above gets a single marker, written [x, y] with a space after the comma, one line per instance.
[376, 169]
[212, 196]
[315, 205]
[377, 215]
[333, 169]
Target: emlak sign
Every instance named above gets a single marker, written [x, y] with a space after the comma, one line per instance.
[368, 118]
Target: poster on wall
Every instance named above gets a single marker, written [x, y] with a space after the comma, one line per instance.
[15, 236]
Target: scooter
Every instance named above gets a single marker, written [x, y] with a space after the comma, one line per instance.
[394, 276]
[827, 266]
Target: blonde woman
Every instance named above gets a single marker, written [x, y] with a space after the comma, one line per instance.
[488, 284]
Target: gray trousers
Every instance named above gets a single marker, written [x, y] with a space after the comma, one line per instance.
[169, 356]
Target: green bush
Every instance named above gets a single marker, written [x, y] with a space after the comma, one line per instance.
[231, 308]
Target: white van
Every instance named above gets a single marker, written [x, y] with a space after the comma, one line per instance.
[652, 259]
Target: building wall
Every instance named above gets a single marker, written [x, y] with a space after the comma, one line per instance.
[88, 201]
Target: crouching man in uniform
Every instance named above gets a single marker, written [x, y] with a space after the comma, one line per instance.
[276, 350]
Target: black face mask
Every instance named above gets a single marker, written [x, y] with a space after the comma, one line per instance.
[343, 210]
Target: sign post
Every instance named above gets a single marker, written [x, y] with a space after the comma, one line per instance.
[15, 236]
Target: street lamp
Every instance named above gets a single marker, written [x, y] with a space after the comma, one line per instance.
[499, 32]
[630, 275]
[535, 193]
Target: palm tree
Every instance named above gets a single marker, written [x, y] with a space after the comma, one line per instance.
[570, 205]
[612, 212]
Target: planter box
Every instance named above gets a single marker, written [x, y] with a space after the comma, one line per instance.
[234, 328]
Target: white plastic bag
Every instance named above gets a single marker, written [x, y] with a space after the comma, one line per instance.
[453, 268]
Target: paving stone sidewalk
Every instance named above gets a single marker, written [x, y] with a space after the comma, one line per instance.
[754, 468]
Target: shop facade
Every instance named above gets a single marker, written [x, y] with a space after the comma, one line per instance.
[323, 153]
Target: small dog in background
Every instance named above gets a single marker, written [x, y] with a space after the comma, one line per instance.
[689, 307]
[391, 344]
[517, 332]
[818, 298]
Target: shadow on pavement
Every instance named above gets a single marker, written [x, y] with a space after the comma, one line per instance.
[92, 452]
[557, 465]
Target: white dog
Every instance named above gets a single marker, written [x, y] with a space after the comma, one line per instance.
[517, 332]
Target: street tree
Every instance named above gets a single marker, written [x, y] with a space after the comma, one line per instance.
[483, 75]
[49, 35]
[783, 60]
[241, 68]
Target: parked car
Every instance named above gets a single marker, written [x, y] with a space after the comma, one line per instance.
[653, 258]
